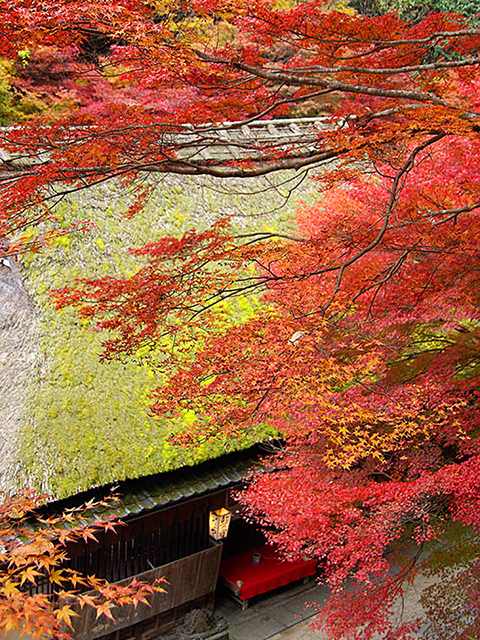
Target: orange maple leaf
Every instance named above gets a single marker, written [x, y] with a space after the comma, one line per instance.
[65, 614]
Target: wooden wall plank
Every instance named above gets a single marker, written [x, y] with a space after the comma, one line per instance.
[189, 578]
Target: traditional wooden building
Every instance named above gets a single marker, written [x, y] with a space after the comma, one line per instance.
[167, 534]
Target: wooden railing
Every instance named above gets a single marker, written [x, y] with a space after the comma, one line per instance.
[189, 578]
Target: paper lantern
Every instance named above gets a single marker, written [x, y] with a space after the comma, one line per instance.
[219, 523]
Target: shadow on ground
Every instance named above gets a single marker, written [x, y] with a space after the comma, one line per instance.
[281, 614]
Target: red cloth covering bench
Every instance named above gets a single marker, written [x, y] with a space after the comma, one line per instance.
[272, 572]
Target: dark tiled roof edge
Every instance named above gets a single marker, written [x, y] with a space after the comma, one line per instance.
[140, 495]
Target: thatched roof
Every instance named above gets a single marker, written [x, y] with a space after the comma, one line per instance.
[148, 493]
[19, 361]
[67, 421]
[206, 149]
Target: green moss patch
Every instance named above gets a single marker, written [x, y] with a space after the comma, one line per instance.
[88, 421]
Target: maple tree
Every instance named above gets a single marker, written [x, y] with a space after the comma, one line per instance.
[34, 552]
[412, 10]
[364, 355]
[51, 82]
[390, 83]
[366, 363]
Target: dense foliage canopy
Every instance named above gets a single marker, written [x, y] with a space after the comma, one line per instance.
[365, 352]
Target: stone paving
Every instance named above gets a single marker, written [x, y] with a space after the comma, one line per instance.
[280, 615]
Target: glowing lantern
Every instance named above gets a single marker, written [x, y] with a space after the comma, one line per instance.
[219, 523]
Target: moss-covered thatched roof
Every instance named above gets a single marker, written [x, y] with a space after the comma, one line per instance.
[141, 495]
[83, 423]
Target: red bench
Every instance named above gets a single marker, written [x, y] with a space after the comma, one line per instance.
[246, 580]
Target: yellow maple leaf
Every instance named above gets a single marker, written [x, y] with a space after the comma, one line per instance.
[65, 614]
